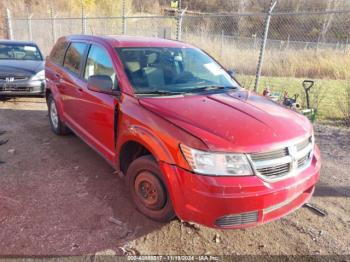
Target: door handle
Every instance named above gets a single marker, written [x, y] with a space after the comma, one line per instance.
[80, 89]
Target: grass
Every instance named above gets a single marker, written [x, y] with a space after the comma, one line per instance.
[330, 94]
[285, 69]
[323, 63]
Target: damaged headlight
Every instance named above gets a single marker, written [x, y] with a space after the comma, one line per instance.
[217, 164]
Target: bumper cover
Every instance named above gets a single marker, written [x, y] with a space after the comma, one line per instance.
[208, 200]
[29, 87]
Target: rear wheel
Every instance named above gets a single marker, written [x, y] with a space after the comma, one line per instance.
[148, 190]
[57, 126]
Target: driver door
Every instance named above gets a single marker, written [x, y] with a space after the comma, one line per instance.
[98, 109]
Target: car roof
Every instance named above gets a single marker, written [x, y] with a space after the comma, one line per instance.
[6, 41]
[130, 41]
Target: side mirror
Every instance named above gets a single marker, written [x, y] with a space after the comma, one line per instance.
[101, 84]
[232, 73]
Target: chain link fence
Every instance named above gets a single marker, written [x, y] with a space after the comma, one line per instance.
[313, 45]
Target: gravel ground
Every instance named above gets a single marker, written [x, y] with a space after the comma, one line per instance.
[59, 197]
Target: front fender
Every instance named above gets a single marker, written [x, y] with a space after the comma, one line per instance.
[156, 134]
[151, 142]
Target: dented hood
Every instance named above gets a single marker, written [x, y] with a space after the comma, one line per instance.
[239, 121]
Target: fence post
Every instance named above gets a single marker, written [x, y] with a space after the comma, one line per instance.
[287, 45]
[29, 22]
[83, 31]
[9, 24]
[222, 44]
[53, 25]
[263, 45]
[318, 43]
[124, 18]
[83, 19]
[255, 42]
[179, 24]
[346, 45]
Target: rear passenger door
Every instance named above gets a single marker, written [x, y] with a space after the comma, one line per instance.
[71, 83]
[97, 110]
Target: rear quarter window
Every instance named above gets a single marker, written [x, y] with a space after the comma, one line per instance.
[57, 53]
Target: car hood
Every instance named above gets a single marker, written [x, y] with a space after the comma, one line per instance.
[20, 67]
[239, 121]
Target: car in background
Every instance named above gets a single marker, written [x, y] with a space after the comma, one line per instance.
[190, 141]
[21, 69]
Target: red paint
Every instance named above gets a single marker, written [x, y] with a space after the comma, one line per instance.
[239, 121]
[203, 199]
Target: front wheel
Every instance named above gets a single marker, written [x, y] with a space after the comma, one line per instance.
[148, 190]
[57, 126]
[3, 98]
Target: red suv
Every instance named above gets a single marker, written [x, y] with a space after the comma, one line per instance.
[190, 141]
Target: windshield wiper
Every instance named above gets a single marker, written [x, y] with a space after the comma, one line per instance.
[194, 90]
[159, 92]
[212, 88]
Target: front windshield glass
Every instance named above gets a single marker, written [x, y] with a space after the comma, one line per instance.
[19, 52]
[173, 70]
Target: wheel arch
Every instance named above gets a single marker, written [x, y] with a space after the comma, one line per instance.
[56, 96]
[138, 142]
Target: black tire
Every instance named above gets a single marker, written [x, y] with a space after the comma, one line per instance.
[3, 98]
[143, 170]
[57, 126]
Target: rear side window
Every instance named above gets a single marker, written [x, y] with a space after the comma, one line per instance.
[57, 53]
[74, 57]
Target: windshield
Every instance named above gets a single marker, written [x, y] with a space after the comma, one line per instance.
[11, 51]
[162, 70]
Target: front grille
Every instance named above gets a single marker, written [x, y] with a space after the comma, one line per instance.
[14, 78]
[274, 170]
[303, 161]
[237, 219]
[269, 155]
[279, 163]
[300, 146]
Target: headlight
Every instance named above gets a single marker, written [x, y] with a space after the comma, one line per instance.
[39, 76]
[217, 164]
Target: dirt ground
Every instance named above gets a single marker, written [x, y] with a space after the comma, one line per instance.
[59, 197]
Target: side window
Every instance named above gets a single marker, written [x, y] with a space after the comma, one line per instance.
[74, 56]
[99, 63]
[57, 53]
